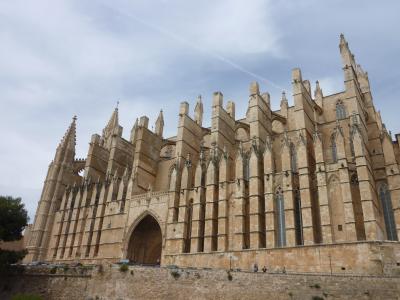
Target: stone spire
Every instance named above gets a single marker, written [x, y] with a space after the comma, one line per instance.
[66, 148]
[318, 90]
[284, 100]
[111, 125]
[113, 122]
[69, 138]
[159, 124]
[284, 105]
[254, 88]
[347, 56]
[198, 111]
[112, 128]
[318, 95]
[134, 129]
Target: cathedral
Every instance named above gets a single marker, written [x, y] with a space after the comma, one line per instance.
[312, 187]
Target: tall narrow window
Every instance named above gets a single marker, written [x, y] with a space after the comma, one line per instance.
[352, 146]
[340, 110]
[246, 170]
[293, 158]
[297, 218]
[384, 195]
[189, 216]
[280, 219]
[334, 148]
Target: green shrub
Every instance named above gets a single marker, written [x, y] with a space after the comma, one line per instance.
[123, 268]
[230, 277]
[317, 286]
[26, 297]
[175, 273]
[53, 270]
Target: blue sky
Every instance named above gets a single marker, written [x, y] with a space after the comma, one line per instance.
[61, 58]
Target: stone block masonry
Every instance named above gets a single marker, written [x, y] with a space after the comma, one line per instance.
[176, 284]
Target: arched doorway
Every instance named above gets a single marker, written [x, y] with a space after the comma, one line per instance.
[145, 242]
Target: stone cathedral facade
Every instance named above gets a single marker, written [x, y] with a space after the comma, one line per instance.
[310, 187]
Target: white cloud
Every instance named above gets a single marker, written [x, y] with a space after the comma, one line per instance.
[331, 85]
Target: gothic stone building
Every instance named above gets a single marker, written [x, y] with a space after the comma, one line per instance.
[310, 187]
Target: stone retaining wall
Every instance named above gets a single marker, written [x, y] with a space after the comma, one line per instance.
[164, 283]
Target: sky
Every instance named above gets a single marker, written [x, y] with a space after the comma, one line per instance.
[64, 58]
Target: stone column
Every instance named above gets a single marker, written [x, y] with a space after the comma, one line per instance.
[269, 194]
[82, 217]
[326, 229]
[287, 187]
[98, 223]
[240, 202]
[74, 222]
[211, 217]
[182, 225]
[256, 203]
[58, 223]
[66, 222]
[344, 178]
[89, 226]
[393, 178]
[198, 211]
[173, 237]
[305, 192]
[369, 199]
[223, 205]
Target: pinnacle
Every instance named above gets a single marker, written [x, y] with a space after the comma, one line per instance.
[69, 138]
[284, 100]
[113, 122]
[342, 39]
[284, 96]
[318, 90]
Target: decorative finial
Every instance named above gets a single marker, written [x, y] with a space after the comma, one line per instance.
[284, 96]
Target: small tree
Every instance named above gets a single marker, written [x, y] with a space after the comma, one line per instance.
[13, 219]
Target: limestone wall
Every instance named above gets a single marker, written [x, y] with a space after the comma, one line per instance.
[156, 283]
[373, 258]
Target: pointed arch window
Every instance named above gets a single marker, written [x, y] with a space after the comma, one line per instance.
[298, 218]
[384, 195]
[280, 219]
[340, 110]
[189, 218]
[246, 169]
[334, 148]
[293, 158]
[352, 145]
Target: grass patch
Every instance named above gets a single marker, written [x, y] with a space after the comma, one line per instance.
[175, 273]
[123, 268]
[26, 297]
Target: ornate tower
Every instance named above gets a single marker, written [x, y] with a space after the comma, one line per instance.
[59, 174]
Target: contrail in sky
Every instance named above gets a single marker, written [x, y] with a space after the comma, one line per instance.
[182, 40]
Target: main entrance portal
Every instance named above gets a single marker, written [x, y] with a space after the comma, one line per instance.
[145, 242]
